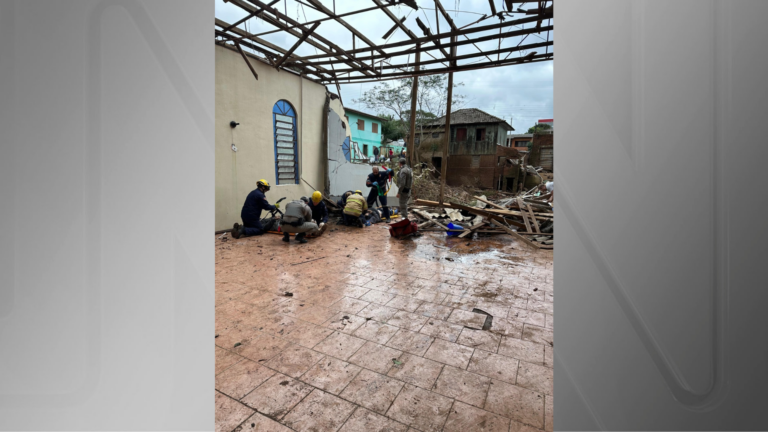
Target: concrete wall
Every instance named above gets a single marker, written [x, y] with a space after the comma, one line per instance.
[240, 97]
[367, 136]
[343, 174]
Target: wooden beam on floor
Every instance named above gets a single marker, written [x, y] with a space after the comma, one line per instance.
[522, 213]
[473, 210]
[490, 203]
[533, 219]
[519, 237]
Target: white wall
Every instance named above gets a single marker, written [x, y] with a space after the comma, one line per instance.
[344, 175]
[242, 98]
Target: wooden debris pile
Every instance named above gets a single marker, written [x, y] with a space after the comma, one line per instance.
[527, 217]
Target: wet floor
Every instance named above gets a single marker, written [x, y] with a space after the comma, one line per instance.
[356, 331]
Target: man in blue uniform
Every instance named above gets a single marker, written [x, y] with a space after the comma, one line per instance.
[255, 202]
[319, 210]
[378, 180]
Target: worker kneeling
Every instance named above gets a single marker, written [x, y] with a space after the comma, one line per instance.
[356, 206]
[298, 219]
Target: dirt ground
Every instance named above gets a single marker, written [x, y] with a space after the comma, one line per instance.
[380, 334]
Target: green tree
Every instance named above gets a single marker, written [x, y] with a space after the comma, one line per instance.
[394, 98]
[539, 128]
[392, 128]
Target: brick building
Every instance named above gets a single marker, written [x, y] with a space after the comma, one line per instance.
[477, 150]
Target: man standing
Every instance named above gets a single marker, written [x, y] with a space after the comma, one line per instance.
[255, 202]
[377, 181]
[354, 208]
[391, 154]
[404, 184]
[375, 154]
[298, 219]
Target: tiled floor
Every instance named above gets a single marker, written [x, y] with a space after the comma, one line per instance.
[380, 334]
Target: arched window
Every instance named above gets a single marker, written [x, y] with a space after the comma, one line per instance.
[286, 149]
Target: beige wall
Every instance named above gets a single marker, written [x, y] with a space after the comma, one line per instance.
[240, 97]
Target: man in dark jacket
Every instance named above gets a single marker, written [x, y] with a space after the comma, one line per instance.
[255, 202]
[377, 180]
[342, 202]
[319, 210]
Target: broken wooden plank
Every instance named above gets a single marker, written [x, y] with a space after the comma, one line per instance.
[426, 224]
[443, 226]
[474, 210]
[473, 228]
[490, 203]
[518, 236]
[522, 213]
[533, 219]
[422, 213]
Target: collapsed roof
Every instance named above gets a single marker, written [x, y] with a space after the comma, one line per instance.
[358, 58]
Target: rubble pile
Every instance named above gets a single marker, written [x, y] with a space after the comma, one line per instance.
[527, 217]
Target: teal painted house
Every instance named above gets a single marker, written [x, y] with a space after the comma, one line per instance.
[366, 132]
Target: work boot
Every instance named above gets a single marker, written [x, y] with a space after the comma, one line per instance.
[286, 237]
[236, 231]
[300, 238]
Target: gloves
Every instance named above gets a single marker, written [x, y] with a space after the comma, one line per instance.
[375, 184]
[277, 206]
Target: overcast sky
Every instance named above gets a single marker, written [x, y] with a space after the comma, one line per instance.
[520, 94]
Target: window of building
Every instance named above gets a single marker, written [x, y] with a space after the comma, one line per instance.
[475, 162]
[479, 134]
[522, 143]
[435, 135]
[361, 124]
[375, 127]
[286, 148]
[461, 134]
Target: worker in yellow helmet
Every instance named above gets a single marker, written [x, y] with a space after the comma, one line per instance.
[354, 210]
[319, 210]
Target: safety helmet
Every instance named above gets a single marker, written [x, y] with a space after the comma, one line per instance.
[263, 183]
[358, 192]
[317, 197]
